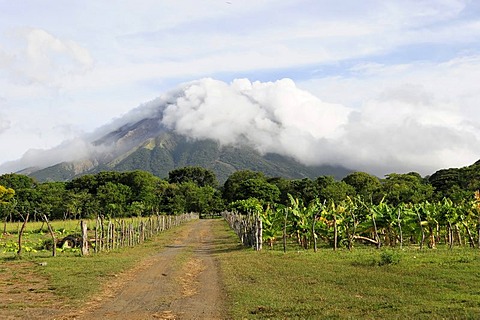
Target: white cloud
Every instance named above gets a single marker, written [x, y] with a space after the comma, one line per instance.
[410, 117]
[272, 117]
[4, 123]
[44, 59]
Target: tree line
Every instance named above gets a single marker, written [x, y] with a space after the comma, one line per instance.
[196, 189]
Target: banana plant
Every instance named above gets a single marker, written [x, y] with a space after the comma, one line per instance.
[304, 220]
[428, 214]
[346, 221]
[314, 211]
[419, 211]
[300, 221]
[467, 218]
[450, 214]
[282, 213]
[388, 220]
[476, 209]
[374, 220]
[335, 223]
[432, 219]
[331, 218]
[272, 218]
[406, 221]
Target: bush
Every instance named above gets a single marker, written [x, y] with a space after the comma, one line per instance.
[389, 257]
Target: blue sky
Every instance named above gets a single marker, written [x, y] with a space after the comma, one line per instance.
[68, 67]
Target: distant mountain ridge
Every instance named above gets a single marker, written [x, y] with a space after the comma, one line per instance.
[147, 145]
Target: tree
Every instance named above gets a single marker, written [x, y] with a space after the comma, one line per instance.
[259, 189]
[200, 176]
[456, 183]
[113, 198]
[17, 181]
[232, 185]
[80, 205]
[365, 185]
[336, 192]
[173, 200]
[87, 182]
[324, 181]
[6, 196]
[406, 188]
[142, 185]
[285, 187]
[304, 189]
[202, 200]
[21, 185]
[50, 200]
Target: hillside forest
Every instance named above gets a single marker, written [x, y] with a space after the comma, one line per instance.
[360, 206]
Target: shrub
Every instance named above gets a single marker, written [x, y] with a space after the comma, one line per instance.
[389, 257]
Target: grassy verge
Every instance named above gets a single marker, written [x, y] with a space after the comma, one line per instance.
[364, 283]
[78, 278]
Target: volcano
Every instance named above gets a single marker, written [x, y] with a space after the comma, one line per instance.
[273, 128]
[147, 145]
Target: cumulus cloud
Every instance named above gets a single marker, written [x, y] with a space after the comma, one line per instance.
[272, 117]
[405, 128]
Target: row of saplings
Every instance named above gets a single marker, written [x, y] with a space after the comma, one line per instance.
[354, 220]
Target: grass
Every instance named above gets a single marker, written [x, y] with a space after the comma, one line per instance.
[79, 278]
[35, 237]
[365, 283]
[41, 227]
[36, 240]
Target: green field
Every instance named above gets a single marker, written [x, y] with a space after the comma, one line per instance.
[365, 283]
[35, 236]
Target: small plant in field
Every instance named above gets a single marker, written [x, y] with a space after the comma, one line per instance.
[10, 247]
[389, 257]
[13, 247]
[61, 231]
[464, 259]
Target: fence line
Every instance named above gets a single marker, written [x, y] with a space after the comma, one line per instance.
[114, 234]
[247, 227]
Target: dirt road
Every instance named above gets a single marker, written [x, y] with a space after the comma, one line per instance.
[181, 282]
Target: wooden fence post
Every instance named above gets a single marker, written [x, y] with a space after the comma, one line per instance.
[123, 233]
[97, 242]
[52, 234]
[84, 238]
[259, 234]
[141, 236]
[108, 238]
[20, 235]
[102, 235]
[131, 240]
